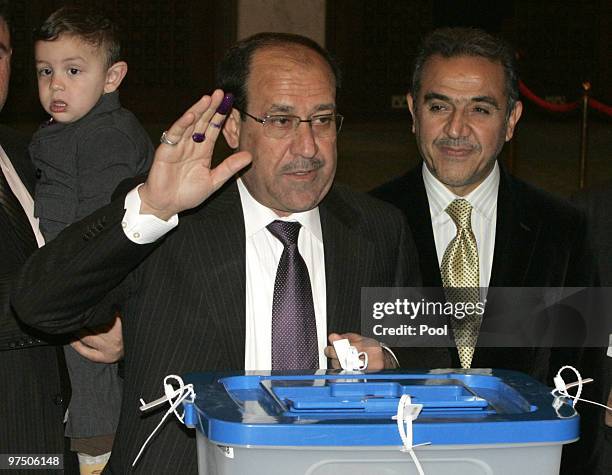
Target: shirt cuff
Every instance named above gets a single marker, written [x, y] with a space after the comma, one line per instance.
[143, 228]
[389, 357]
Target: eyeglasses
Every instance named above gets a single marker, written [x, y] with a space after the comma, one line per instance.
[282, 126]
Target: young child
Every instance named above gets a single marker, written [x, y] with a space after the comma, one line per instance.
[88, 146]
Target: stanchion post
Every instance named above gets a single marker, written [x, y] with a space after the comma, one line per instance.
[586, 87]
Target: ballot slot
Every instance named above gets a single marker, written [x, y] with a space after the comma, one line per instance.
[373, 397]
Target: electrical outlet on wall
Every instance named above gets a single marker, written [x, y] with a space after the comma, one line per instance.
[398, 101]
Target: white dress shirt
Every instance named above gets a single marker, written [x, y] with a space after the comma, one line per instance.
[143, 228]
[263, 252]
[21, 193]
[484, 215]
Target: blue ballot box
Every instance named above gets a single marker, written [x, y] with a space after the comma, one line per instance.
[327, 423]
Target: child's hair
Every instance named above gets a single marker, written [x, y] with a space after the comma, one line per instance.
[91, 27]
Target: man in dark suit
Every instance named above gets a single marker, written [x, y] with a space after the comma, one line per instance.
[31, 403]
[464, 104]
[34, 392]
[203, 297]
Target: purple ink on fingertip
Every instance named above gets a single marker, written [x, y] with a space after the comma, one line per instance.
[198, 137]
[226, 104]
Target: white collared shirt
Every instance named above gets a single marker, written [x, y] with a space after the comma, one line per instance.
[263, 253]
[484, 217]
[21, 193]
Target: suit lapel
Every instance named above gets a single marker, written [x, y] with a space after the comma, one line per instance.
[15, 219]
[515, 237]
[515, 234]
[221, 240]
[348, 255]
[412, 200]
[416, 208]
[16, 150]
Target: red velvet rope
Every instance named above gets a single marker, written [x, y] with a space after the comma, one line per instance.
[566, 107]
[600, 106]
[551, 106]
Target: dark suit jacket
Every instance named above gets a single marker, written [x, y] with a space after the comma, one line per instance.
[540, 241]
[184, 305]
[31, 398]
[597, 203]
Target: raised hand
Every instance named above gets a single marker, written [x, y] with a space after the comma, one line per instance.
[181, 176]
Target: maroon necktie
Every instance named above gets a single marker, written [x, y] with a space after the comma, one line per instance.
[294, 328]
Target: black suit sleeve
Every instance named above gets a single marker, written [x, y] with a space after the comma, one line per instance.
[75, 281]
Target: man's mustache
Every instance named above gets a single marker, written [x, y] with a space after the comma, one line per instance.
[456, 143]
[302, 165]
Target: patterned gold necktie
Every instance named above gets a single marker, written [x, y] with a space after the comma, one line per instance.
[461, 278]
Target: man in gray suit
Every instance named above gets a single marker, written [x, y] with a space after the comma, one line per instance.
[203, 296]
